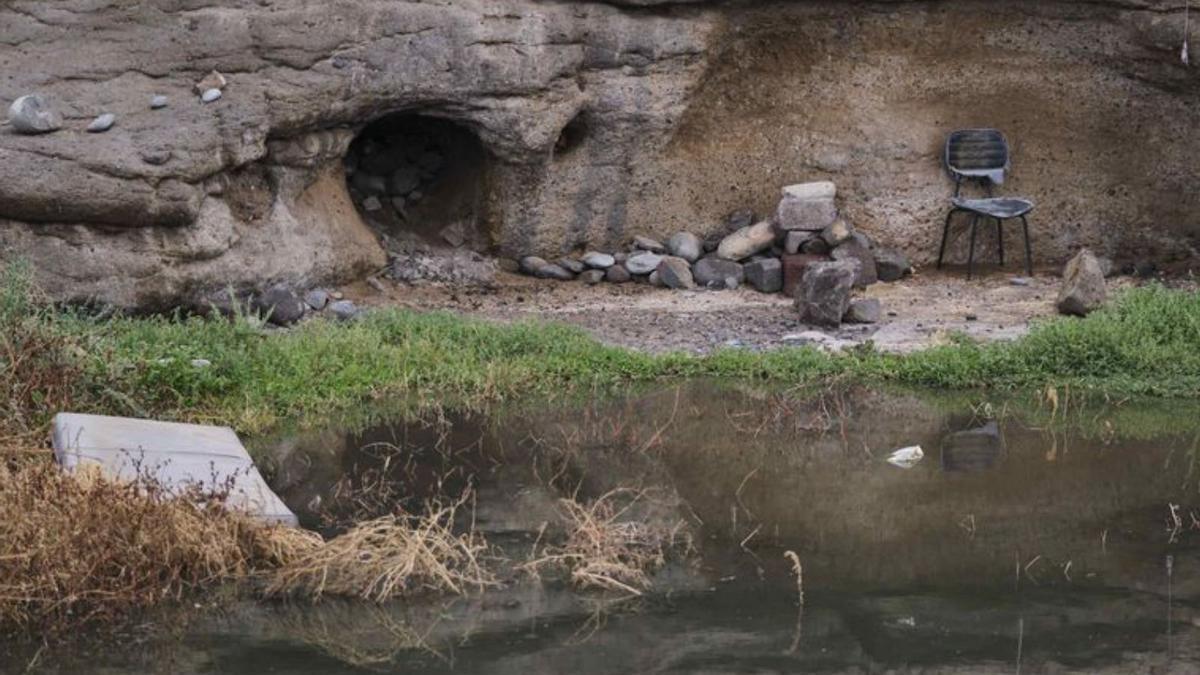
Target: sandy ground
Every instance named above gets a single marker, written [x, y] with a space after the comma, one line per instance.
[920, 311]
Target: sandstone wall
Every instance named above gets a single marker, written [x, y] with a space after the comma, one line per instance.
[686, 111]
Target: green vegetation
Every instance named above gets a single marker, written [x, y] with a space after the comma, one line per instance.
[1146, 342]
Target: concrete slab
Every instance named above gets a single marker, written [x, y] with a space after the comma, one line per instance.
[178, 456]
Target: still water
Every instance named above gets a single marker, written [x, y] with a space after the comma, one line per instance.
[1035, 536]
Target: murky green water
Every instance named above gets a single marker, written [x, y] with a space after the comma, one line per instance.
[1047, 543]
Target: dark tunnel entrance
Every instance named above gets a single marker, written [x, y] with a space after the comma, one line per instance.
[420, 179]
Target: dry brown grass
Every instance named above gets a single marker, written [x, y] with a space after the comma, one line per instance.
[606, 549]
[85, 550]
[387, 557]
[82, 550]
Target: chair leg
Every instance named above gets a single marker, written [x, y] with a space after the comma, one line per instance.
[971, 251]
[945, 235]
[1028, 251]
[1000, 238]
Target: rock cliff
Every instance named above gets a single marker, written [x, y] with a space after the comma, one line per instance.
[594, 121]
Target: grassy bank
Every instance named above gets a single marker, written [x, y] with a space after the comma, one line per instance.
[1146, 342]
[136, 548]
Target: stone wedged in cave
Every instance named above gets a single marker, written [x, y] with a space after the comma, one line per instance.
[598, 119]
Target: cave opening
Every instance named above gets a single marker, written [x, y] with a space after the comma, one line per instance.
[416, 178]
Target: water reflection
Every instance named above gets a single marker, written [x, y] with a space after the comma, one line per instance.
[1028, 537]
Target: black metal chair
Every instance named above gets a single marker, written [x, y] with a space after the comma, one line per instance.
[981, 155]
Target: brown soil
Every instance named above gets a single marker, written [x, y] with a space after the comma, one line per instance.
[920, 311]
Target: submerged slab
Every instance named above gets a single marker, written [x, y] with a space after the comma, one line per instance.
[178, 456]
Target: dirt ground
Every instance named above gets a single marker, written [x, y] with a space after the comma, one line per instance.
[920, 311]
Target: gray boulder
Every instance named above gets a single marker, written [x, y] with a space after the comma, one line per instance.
[343, 310]
[685, 245]
[556, 272]
[765, 275]
[281, 305]
[30, 114]
[530, 264]
[854, 250]
[617, 274]
[712, 270]
[642, 262]
[1083, 289]
[210, 95]
[648, 244]
[592, 277]
[838, 233]
[864, 310]
[317, 299]
[571, 265]
[599, 261]
[158, 102]
[823, 296]
[890, 264]
[676, 273]
[807, 206]
[747, 241]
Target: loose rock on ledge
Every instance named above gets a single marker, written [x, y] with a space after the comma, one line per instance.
[102, 123]
[30, 114]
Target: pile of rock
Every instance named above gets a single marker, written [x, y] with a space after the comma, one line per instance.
[393, 173]
[806, 251]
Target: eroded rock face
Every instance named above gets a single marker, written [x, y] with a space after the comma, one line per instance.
[598, 120]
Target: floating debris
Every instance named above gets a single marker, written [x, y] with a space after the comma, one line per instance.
[907, 458]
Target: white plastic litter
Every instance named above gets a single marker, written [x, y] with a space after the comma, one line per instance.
[906, 458]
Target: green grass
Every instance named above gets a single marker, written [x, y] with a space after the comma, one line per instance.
[1146, 342]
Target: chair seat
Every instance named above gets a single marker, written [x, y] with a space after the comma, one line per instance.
[996, 207]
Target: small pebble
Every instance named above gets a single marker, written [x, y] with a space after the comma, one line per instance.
[102, 123]
[972, 317]
[210, 95]
[201, 363]
[158, 101]
[1019, 281]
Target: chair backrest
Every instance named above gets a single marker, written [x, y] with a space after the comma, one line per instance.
[977, 154]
